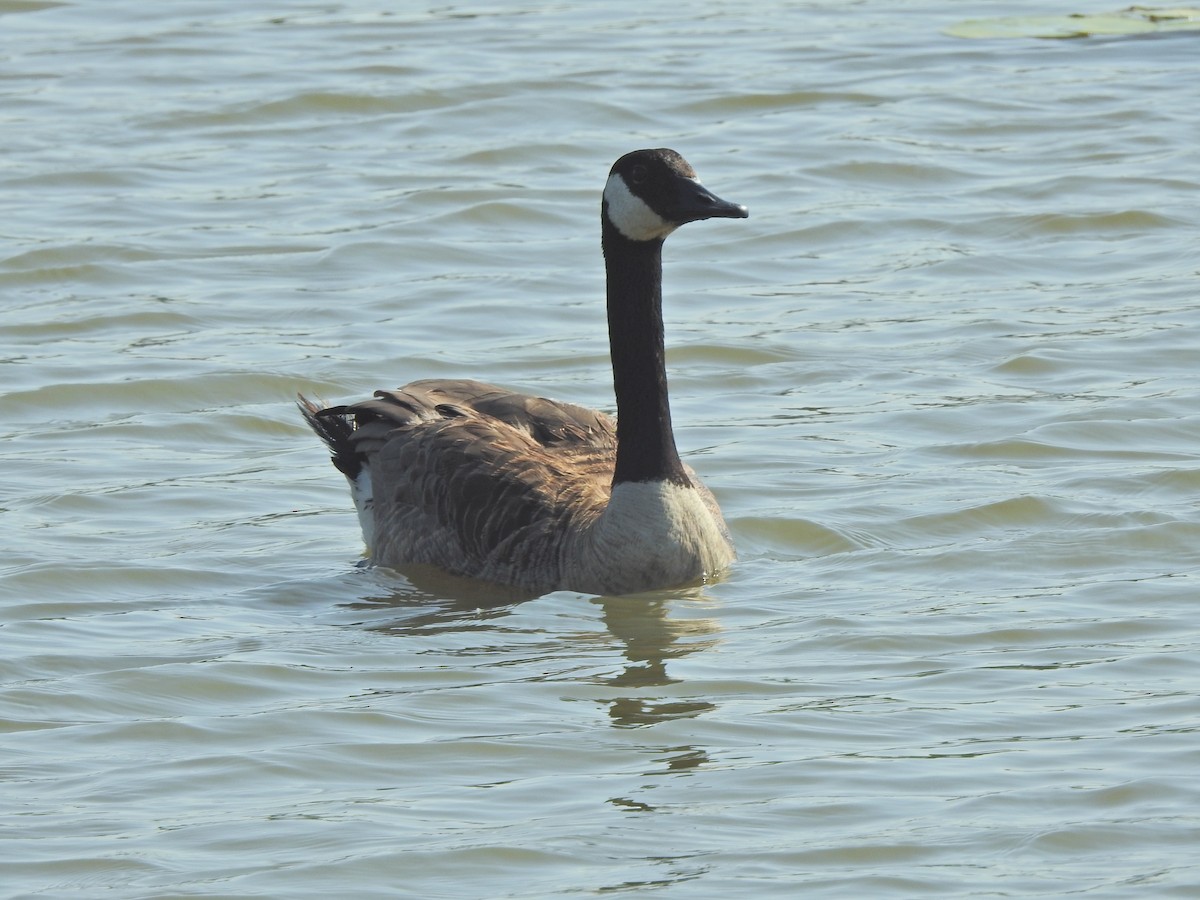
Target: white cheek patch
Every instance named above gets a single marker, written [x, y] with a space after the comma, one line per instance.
[630, 214]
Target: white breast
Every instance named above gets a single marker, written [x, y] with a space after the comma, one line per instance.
[653, 534]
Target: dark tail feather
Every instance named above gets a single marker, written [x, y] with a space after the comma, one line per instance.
[335, 429]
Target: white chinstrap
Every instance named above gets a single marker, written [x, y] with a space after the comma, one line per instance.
[631, 215]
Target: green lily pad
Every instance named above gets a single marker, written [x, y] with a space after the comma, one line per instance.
[1134, 20]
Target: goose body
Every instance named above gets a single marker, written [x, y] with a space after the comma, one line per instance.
[535, 493]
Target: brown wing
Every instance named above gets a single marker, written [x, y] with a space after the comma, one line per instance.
[549, 422]
[476, 479]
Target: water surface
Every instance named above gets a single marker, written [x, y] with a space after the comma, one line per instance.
[941, 381]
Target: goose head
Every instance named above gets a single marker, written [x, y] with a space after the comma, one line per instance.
[650, 193]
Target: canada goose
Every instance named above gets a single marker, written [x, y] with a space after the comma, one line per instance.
[534, 493]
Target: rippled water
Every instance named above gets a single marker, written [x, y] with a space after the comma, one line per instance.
[942, 381]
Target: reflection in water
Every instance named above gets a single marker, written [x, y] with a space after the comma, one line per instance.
[647, 635]
[434, 601]
[651, 637]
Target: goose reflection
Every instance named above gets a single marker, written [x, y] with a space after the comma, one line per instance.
[648, 635]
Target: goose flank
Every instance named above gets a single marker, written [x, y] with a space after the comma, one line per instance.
[539, 494]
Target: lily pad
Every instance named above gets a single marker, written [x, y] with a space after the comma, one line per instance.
[1134, 20]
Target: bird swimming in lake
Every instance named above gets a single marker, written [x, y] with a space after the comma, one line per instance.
[539, 494]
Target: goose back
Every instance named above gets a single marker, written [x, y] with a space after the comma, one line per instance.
[475, 479]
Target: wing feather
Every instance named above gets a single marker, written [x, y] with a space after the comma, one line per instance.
[476, 479]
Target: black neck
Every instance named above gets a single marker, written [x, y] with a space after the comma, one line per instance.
[645, 442]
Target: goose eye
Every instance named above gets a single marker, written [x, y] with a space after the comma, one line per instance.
[637, 174]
